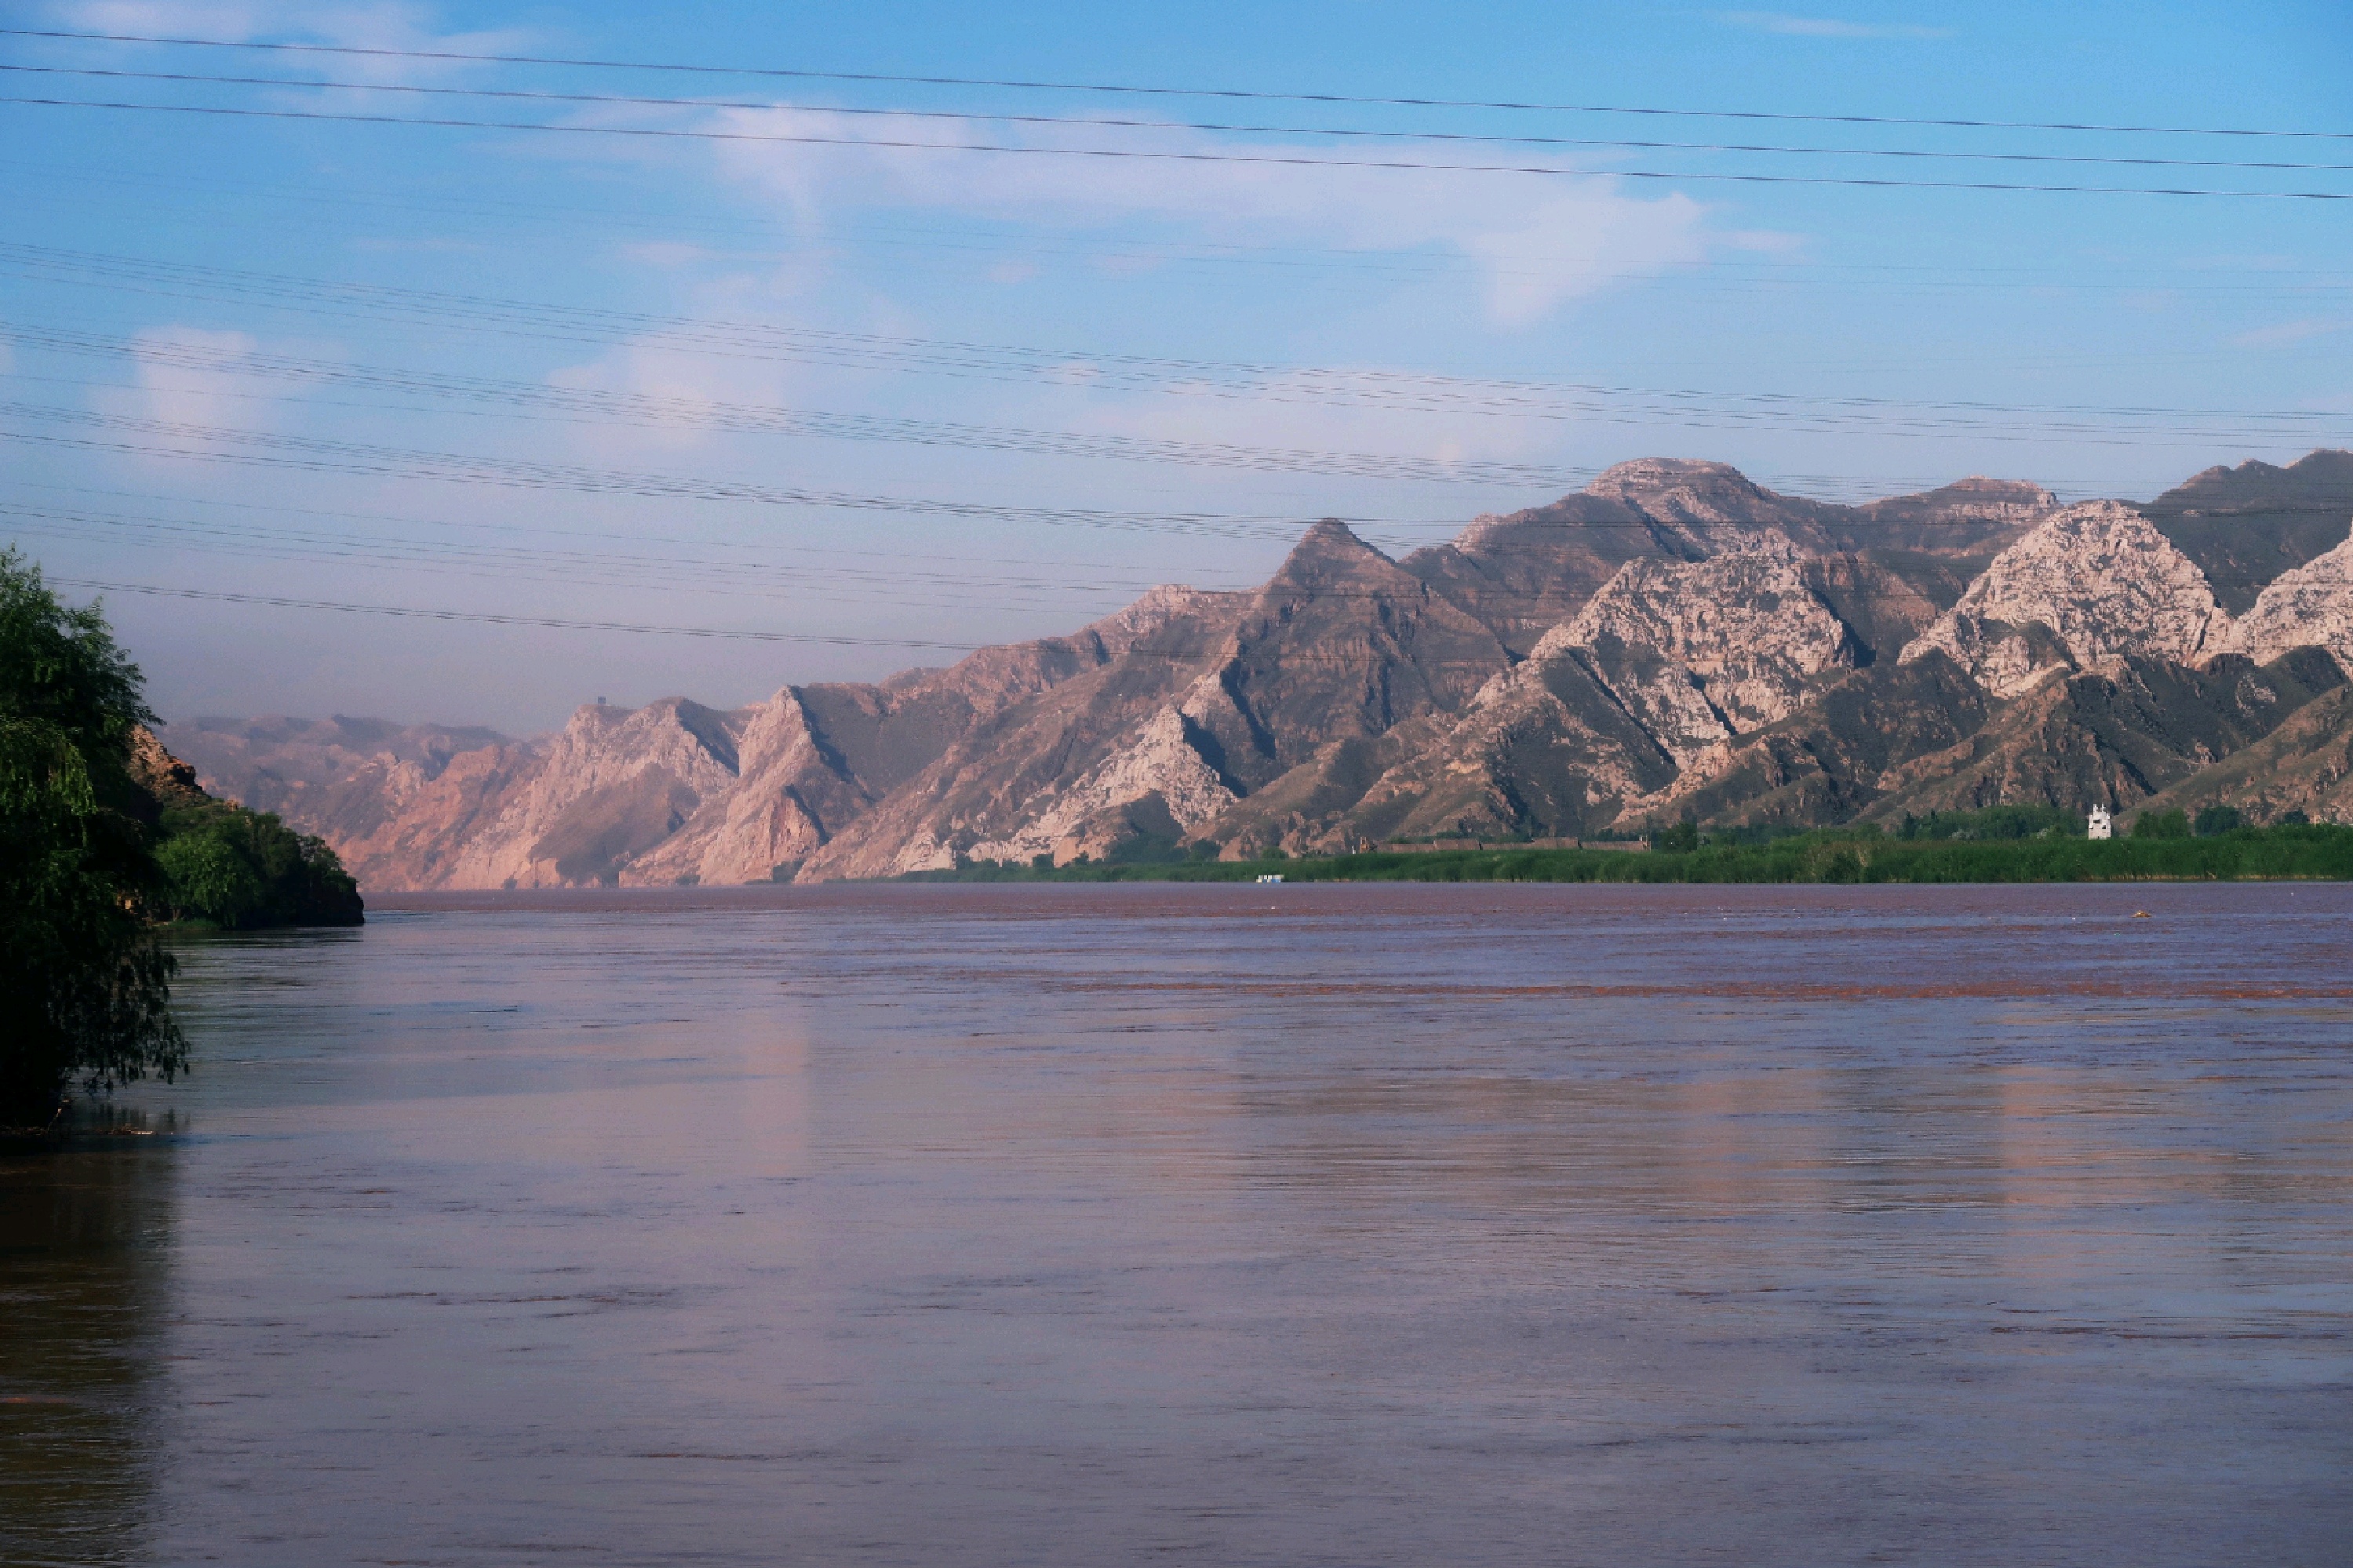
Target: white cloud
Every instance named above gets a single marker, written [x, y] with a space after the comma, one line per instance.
[1544, 239]
[1825, 26]
[166, 386]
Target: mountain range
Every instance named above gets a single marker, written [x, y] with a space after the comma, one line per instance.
[1674, 643]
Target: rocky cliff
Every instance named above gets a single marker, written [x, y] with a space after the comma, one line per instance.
[1674, 641]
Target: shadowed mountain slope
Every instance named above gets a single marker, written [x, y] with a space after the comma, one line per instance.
[2246, 525]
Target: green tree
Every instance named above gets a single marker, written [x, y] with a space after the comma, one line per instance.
[2161, 825]
[2213, 821]
[209, 880]
[1680, 839]
[84, 989]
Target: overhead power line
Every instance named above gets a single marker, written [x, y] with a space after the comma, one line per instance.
[1141, 90]
[488, 619]
[204, 443]
[609, 100]
[1395, 390]
[1166, 155]
[536, 401]
[753, 419]
[640, 571]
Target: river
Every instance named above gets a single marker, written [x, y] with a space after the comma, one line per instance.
[1309, 1225]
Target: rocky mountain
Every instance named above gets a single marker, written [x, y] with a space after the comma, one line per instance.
[1674, 641]
[2089, 583]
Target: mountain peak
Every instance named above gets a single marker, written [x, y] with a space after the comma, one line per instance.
[1330, 532]
[1327, 549]
[1619, 476]
[1672, 479]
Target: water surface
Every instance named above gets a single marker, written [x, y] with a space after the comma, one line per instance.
[1338, 1225]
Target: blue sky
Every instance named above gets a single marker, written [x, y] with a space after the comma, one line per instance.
[616, 377]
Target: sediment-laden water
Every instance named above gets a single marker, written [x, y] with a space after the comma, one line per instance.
[1339, 1224]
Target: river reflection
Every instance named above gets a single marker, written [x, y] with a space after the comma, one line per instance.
[85, 1226]
[1326, 1224]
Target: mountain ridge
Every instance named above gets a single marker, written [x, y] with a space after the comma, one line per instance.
[1676, 640]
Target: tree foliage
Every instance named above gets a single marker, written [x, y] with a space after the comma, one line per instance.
[84, 988]
[227, 867]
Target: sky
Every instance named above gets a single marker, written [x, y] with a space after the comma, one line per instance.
[780, 372]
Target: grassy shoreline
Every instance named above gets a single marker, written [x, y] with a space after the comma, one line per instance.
[2303, 852]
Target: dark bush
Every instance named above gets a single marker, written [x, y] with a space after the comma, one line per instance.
[1680, 839]
[2214, 821]
[2161, 825]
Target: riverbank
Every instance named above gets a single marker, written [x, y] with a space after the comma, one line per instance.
[2311, 852]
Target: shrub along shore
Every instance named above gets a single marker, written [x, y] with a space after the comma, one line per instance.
[2285, 851]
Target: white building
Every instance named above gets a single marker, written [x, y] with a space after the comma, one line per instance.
[2101, 827]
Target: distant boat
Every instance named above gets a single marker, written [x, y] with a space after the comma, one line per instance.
[1271, 877]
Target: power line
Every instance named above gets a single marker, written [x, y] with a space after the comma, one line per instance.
[1723, 275]
[318, 455]
[745, 418]
[1132, 89]
[1112, 123]
[488, 619]
[1409, 390]
[311, 454]
[528, 401]
[536, 529]
[578, 405]
[1167, 155]
[908, 588]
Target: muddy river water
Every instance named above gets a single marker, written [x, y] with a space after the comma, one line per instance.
[1314, 1225]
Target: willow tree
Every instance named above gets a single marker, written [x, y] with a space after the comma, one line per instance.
[84, 988]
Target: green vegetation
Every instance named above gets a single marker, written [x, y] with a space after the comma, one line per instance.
[84, 989]
[234, 869]
[1998, 822]
[1852, 854]
[94, 856]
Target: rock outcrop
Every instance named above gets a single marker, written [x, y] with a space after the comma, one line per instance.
[2093, 582]
[1698, 652]
[2309, 605]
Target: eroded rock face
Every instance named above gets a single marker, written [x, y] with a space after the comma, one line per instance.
[615, 784]
[2100, 583]
[1061, 753]
[1702, 651]
[2310, 606]
[1544, 751]
[787, 787]
[1086, 817]
[1668, 662]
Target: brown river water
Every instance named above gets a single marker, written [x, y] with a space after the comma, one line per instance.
[1314, 1225]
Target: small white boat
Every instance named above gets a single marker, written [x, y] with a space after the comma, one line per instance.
[1271, 876]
